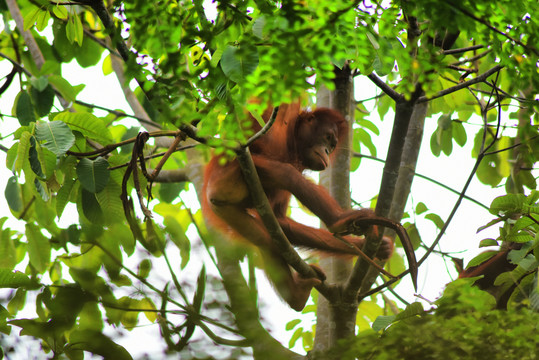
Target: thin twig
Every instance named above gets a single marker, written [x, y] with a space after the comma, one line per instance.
[463, 85]
[266, 127]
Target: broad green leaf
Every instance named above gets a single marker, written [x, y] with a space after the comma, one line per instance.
[30, 18]
[435, 146]
[177, 235]
[67, 91]
[34, 159]
[89, 53]
[79, 30]
[24, 109]
[488, 242]
[412, 310]
[42, 20]
[382, 322]
[47, 161]
[60, 11]
[41, 190]
[508, 204]
[436, 219]
[8, 253]
[15, 279]
[238, 62]
[63, 195]
[43, 99]
[13, 194]
[57, 135]
[459, 133]
[110, 203]
[421, 208]
[93, 174]
[22, 151]
[481, 258]
[39, 83]
[87, 124]
[90, 317]
[39, 248]
[147, 304]
[107, 66]
[91, 208]
[97, 343]
[144, 268]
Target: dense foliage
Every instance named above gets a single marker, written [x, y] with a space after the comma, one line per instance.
[463, 326]
[123, 257]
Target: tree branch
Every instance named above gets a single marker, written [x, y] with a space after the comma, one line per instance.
[385, 87]
[463, 85]
[263, 208]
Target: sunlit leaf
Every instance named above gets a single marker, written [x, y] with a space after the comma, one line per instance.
[238, 62]
[39, 248]
[15, 279]
[87, 124]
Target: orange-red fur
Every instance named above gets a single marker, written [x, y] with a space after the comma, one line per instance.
[297, 141]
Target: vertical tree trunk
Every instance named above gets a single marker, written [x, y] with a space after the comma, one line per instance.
[337, 320]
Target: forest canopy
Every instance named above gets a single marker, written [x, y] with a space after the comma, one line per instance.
[103, 236]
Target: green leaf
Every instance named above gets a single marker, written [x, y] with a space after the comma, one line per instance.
[459, 133]
[87, 124]
[91, 208]
[24, 109]
[177, 235]
[67, 91]
[93, 174]
[436, 219]
[30, 18]
[97, 343]
[8, 253]
[13, 194]
[508, 204]
[39, 248]
[412, 310]
[144, 268]
[63, 196]
[60, 11]
[43, 99]
[238, 62]
[421, 208]
[201, 289]
[110, 203]
[292, 324]
[89, 54]
[295, 337]
[39, 83]
[382, 322]
[57, 135]
[90, 317]
[15, 279]
[481, 258]
[42, 20]
[22, 151]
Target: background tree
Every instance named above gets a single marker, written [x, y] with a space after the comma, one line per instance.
[187, 71]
